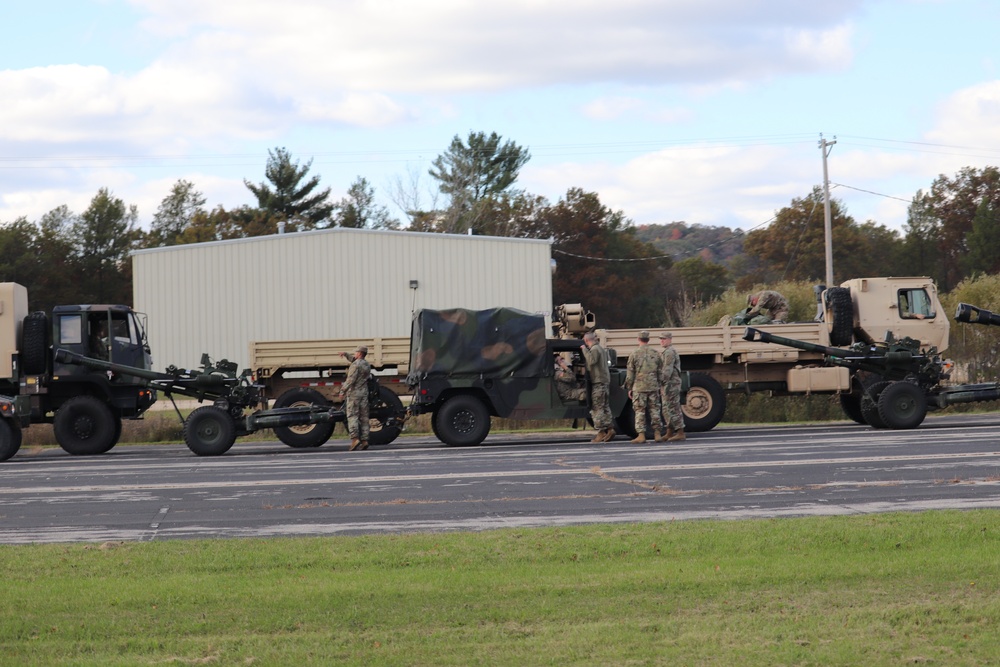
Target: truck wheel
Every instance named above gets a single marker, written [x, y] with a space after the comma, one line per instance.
[386, 417]
[305, 435]
[209, 431]
[463, 421]
[869, 404]
[851, 404]
[34, 348]
[902, 405]
[705, 404]
[839, 316]
[434, 425]
[10, 439]
[84, 426]
[625, 422]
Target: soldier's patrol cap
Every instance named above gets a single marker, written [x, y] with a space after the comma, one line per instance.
[363, 349]
[643, 335]
[666, 334]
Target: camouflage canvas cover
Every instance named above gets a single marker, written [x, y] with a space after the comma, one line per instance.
[495, 343]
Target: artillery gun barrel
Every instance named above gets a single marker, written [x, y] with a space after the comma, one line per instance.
[975, 315]
[67, 357]
[872, 359]
[294, 417]
[186, 383]
[754, 335]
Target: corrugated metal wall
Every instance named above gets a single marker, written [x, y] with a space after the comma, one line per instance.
[338, 283]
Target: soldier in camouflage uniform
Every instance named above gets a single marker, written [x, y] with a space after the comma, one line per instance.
[566, 384]
[642, 381]
[765, 307]
[355, 388]
[600, 380]
[670, 379]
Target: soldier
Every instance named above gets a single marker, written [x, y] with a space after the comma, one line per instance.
[643, 384]
[600, 380]
[355, 388]
[566, 384]
[766, 307]
[671, 381]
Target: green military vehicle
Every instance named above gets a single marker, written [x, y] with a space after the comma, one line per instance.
[467, 366]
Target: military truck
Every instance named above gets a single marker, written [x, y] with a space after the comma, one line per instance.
[863, 310]
[85, 407]
[468, 366]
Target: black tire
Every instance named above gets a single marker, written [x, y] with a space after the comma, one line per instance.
[84, 426]
[902, 405]
[851, 404]
[10, 439]
[209, 431]
[705, 404]
[306, 435]
[434, 425]
[35, 344]
[385, 417]
[625, 422]
[839, 316]
[463, 421]
[869, 404]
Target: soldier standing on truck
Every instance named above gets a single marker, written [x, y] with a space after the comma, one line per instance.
[671, 381]
[355, 388]
[600, 381]
[643, 384]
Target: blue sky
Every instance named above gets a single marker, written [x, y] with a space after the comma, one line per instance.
[706, 111]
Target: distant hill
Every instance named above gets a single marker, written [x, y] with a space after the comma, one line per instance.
[719, 245]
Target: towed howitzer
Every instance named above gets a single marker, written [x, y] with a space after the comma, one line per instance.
[211, 430]
[900, 383]
[892, 360]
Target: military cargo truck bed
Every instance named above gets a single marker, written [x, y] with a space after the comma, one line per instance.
[268, 358]
[718, 345]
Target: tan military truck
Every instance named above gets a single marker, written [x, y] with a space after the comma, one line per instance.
[863, 310]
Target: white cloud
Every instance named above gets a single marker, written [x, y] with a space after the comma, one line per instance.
[970, 117]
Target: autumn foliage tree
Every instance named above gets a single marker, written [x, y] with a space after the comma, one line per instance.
[793, 246]
[601, 263]
[948, 214]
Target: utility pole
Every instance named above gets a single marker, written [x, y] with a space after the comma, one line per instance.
[827, 146]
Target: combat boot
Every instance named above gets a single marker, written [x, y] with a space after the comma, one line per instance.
[609, 435]
[678, 436]
[363, 445]
[599, 436]
[355, 443]
[639, 439]
[661, 436]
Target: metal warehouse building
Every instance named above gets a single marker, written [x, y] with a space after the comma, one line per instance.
[336, 283]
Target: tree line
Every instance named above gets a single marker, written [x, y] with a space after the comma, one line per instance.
[630, 276]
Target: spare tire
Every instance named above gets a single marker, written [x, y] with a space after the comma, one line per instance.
[35, 343]
[839, 314]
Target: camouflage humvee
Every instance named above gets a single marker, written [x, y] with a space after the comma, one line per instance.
[469, 365]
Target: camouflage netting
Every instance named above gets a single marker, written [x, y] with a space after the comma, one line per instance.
[501, 342]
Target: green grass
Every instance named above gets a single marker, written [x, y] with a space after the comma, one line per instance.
[888, 589]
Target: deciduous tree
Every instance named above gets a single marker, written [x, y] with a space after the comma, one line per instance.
[175, 214]
[103, 236]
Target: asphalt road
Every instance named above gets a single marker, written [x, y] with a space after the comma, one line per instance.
[147, 493]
